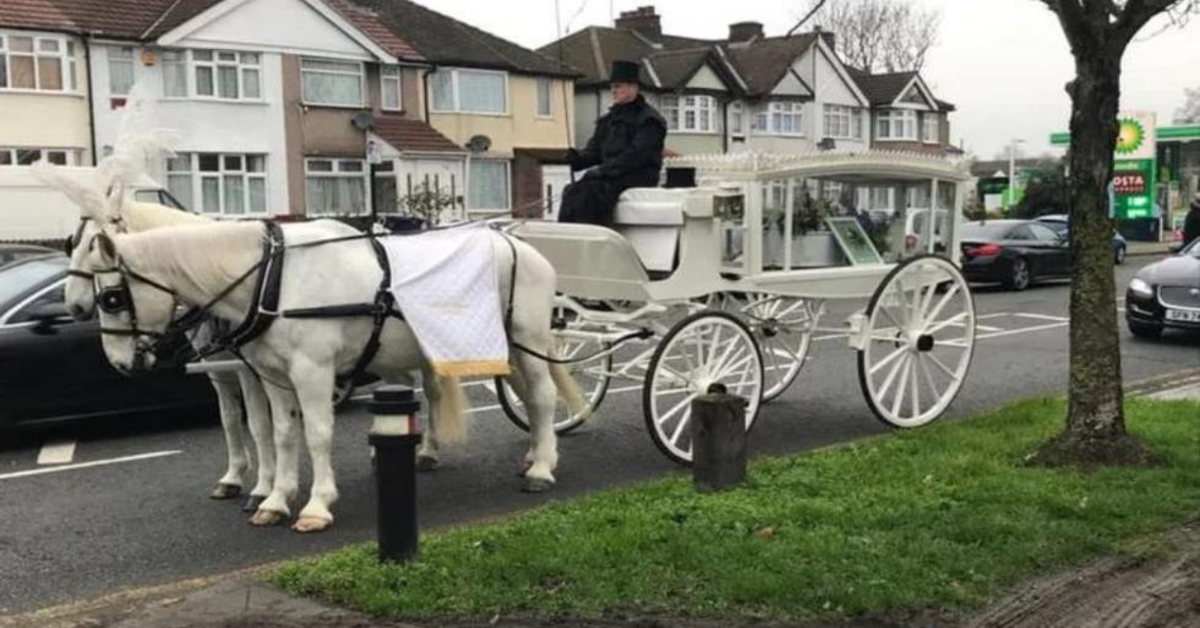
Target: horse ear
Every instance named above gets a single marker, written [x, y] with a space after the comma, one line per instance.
[115, 200]
[107, 248]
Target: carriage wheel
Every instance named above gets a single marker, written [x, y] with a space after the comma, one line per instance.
[703, 349]
[917, 342]
[592, 377]
[783, 327]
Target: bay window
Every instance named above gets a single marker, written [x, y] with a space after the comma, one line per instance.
[219, 183]
[689, 114]
[469, 91]
[37, 63]
[120, 70]
[930, 128]
[896, 124]
[780, 118]
[332, 83]
[389, 88]
[335, 187]
[487, 187]
[843, 123]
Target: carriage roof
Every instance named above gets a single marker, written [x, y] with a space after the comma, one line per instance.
[843, 166]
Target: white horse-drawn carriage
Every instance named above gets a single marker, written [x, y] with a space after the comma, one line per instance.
[718, 287]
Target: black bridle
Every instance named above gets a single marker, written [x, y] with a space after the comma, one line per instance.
[118, 299]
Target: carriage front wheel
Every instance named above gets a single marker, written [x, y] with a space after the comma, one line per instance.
[703, 349]
[917, 341]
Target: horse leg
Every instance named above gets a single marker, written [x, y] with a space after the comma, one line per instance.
[516, 381]
[540, 399]
[258, 412]
[230, 405]
[428, 454]
[314, 389]
[285, 421]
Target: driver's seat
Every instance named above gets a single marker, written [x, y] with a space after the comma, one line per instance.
[650, 219]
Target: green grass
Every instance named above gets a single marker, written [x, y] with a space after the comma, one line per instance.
[946, 516]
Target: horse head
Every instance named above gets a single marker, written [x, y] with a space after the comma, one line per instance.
[135, 309]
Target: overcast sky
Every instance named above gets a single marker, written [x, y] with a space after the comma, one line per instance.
[1002, 62]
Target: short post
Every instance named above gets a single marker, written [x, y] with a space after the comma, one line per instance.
[395, 435]
[718, 440]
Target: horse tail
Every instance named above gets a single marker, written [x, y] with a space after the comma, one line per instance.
[569, 390]
[451, 410]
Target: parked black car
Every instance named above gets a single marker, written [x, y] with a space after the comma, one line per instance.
[1165, 294]
[10, 253]
[53, 368]
[1061, 224]
[1015, 253]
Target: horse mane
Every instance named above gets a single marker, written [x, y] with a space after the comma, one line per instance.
[205, 256]
[146, 216]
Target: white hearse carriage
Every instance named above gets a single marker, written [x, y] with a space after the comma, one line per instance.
[724, 285]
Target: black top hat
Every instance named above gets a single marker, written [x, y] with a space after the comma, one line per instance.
[625, 72]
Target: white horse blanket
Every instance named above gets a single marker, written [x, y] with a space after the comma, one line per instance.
[445, 284]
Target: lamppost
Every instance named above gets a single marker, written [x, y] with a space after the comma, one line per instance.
[1012, 171]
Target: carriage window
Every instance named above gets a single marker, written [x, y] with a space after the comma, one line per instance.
[335, 187]
[233, 185]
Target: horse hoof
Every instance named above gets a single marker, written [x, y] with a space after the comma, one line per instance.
[536, 485]
[306, 525]
[525, 467]
[426, 464]
[265, 518]
[225, 491]
[252, 503]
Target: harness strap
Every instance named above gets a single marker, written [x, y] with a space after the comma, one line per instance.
[265, 307]
[385, 307]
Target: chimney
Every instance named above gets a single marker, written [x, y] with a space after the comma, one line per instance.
[745, 31]
[643, 20]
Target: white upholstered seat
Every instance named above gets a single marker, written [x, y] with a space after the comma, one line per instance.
[650, 219]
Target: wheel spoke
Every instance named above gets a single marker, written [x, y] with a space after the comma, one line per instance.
[732, 346]
[891, 378]
[738, 365]
[916, 389]
[898, 401]
[928, 378]
[955, 320]
[887, 312]
[926, 302]
[662, 420]
[946, 298]
[945, 369]
[683, 422]
[888, 360]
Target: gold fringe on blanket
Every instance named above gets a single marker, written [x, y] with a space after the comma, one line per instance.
[471, 369]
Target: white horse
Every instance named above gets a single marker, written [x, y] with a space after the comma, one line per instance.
[298, 358]
[232, 389]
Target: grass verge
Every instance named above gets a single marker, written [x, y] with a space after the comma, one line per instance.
[946, 517]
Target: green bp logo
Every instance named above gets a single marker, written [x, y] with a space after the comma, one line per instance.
[1130, 136]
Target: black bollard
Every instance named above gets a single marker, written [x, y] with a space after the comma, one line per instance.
[395, 435]
[718, 441]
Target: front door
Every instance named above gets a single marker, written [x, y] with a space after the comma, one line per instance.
[554, 179]
[446, 176]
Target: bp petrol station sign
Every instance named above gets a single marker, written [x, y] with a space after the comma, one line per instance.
[1134, 165]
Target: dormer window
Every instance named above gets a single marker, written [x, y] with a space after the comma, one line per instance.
[896, 124]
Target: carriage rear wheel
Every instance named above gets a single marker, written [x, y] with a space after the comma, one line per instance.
[592, 377]
[703, 349]
[918, 340]
[783, 328]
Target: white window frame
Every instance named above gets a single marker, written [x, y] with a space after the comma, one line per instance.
[337, 171]
[703, 108]
[243, 63]
[508, 188]
[65, 55]
[931, 128]
[908, 120]
[362, 84]
[737, 119]
[546, 111]
[456, 104]
[196, 202]
[842, 122]
[768, 119]
[125, 56]
[391, 74]
[10, 154]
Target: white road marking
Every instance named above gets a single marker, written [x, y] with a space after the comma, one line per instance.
[1025, 330]
[57, 453]
[88, 465]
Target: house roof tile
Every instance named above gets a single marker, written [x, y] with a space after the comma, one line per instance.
[121, 19]
[406, 134]
[764, 63]
[370, 22]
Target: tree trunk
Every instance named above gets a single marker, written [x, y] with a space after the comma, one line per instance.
[1095, 432]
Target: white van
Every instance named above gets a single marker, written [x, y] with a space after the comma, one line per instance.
[30, 210]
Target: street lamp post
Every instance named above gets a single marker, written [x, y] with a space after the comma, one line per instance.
[1012, 170]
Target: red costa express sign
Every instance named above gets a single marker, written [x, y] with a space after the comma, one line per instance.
[1130, 183]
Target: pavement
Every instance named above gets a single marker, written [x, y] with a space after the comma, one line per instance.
[1147, 248]
[243, 599]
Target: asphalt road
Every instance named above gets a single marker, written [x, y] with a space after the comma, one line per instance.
[77, 533]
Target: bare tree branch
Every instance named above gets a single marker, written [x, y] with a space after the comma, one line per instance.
[880, 35]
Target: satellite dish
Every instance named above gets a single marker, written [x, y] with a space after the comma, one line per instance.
[479, 144]
[363, 121]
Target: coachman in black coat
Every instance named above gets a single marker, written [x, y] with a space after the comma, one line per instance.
[626, 150]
